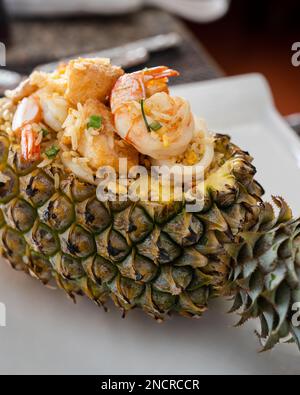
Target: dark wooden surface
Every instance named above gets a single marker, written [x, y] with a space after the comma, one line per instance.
[37, 41]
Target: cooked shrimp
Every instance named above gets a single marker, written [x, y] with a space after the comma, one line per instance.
[147, 117]
[28, 112]
[44, 106]
[54, 108]
[31, 150]
[195, 170]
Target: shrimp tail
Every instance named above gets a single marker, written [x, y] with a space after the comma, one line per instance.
[133, 87]
[31, 151]
[161, 72]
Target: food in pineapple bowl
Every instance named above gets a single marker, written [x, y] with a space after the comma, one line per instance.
[59, 130]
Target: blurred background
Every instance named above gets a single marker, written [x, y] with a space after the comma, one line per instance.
[213, 38]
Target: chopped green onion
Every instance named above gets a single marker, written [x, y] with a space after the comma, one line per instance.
[144, 116]
[95, 122]
[45, 132]
[155, 126]
[52, 152]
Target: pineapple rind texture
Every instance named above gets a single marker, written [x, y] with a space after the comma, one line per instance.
[155, 256]
[150, 255]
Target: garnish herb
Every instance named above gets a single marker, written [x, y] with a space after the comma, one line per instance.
[95, 122]
[155, 125]
[45, 132]
[52, 152]
[144, 115]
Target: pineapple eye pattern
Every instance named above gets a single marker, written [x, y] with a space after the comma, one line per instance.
[157, 256]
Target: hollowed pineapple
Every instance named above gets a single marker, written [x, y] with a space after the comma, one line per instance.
[154, 255]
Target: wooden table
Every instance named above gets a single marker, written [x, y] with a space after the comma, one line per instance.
[38, 41]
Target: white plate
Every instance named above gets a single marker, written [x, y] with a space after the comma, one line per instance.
[55, 7]
[46, 333]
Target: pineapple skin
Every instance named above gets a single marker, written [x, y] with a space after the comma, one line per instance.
[155, 256]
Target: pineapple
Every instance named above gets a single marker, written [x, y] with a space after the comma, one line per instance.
[156, 256]
[153, 255]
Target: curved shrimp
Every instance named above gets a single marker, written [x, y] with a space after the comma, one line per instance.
[147, 117]
[54, 108]
[42, 106]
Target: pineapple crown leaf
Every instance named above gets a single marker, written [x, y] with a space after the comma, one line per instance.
[266, 286]
[285, 213]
